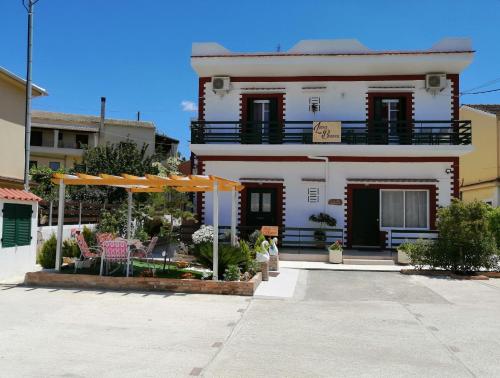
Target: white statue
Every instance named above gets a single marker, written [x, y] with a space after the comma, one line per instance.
[264, 255]
[273, 249]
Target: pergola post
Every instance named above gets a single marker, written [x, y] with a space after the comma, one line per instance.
[129, 215]
[129, 223]
[234, 207]
[215, 210]
[60, 224]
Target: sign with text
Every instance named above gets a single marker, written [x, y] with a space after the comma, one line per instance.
[327, 132]
[335, 201]
[270, 230]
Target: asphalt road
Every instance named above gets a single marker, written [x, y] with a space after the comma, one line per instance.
[337, 323]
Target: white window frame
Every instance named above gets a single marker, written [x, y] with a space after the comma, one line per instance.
[404, 209]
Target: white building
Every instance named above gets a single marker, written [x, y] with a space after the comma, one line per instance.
[397, 159]
[18, 233]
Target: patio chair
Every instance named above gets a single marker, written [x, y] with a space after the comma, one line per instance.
[146, 253]
[115, 251]
[102, 237]
[90, 254]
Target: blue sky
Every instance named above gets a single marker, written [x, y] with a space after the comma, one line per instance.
[136, 52]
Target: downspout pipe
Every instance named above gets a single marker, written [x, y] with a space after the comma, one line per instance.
[325, 159]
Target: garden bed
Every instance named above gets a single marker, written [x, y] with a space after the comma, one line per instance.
[91, 281]
[446, 273]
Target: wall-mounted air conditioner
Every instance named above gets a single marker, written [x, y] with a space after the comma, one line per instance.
[435, 82]
[221, 84]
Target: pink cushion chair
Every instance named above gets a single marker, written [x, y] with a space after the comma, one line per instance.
[115, 251]
[86, 252]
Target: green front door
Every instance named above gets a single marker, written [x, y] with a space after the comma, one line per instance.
[365, 218]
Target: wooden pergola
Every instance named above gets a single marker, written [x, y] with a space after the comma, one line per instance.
[153, 184]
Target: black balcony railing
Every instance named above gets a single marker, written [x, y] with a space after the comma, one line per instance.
[353, 132]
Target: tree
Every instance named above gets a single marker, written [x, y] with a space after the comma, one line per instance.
[115, 159]
[44, 187]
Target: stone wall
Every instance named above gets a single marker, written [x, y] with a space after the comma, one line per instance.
[84, 281]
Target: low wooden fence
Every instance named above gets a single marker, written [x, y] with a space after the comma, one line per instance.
[74, 212]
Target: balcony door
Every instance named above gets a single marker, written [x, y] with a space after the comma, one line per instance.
[261, 120]
[390, 119]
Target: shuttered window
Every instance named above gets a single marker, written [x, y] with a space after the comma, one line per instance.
[16, 230]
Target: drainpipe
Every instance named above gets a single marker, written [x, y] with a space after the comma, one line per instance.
[325, 159]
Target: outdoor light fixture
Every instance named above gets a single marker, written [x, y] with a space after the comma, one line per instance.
[448, 170]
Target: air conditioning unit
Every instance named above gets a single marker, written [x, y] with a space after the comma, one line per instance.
[435, 82]
[221, 84]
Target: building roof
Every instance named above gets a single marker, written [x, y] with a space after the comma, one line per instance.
[488, 108]
[336, 57]
[17, 194]
[41, 115]
[322, 47]
[36, 90]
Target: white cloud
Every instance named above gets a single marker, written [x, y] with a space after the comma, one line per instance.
[188, 106]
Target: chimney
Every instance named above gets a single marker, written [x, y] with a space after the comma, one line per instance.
[103, 113]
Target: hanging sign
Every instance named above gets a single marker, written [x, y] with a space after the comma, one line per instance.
[327, 132]
[270, 230]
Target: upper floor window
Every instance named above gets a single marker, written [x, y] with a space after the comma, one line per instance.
[82, 140]
[36, 138]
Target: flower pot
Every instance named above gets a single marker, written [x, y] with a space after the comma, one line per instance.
[403, 257]
[335, 256]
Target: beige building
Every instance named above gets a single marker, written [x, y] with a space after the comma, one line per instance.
[58, 139]
[480, 169]
[12, 117]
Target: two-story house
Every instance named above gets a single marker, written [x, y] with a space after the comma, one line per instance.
[480, 170]
[58, 139]
[12, 117]
[371, 138]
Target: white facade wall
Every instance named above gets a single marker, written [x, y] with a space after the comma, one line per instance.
[340, 101]
[297, 209]
[16, 261]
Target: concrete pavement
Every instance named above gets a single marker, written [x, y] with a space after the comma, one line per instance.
[333, 323]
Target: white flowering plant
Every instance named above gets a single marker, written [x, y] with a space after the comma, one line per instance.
[204, 235]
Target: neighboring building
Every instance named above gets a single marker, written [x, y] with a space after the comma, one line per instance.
[18, 233]
[480, 170]
[12, 120]
[166, 146]
[393, 162]
[58, 139]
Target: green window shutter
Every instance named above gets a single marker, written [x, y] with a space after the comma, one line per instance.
[16, 229]
[23, 225]
[9, 225]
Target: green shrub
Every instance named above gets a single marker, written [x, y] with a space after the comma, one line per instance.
[421, 253]
[47, 256]
[153, 226]
[89, 236]
[494, 220]
[465, 242]
[254, 236]
[70, 248]
[232, 273]
[228, 255]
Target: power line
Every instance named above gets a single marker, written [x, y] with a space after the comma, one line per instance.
[469, 93]
[484, 85]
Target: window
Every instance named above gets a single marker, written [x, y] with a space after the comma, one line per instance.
[16, 229]
[404, 208]
[312, 195]
[54, 165]
[33, 164]
[36, 138]
[82, 140]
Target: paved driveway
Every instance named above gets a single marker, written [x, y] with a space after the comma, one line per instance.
[337, 323]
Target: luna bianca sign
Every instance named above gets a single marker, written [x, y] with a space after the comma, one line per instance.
[327, 132]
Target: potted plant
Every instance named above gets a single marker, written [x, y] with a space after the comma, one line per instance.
[335, 253]
[320, 235]
[403, 250]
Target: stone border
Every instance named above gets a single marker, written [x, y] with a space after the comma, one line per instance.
[86, 281]
[480, 276]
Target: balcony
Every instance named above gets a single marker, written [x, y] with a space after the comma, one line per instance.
[444, 132]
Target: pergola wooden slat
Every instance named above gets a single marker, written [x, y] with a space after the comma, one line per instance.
[153, 184]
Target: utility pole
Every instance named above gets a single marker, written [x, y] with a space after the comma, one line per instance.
[28, 4]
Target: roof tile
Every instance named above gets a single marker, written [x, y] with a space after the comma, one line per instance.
[17, 194]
